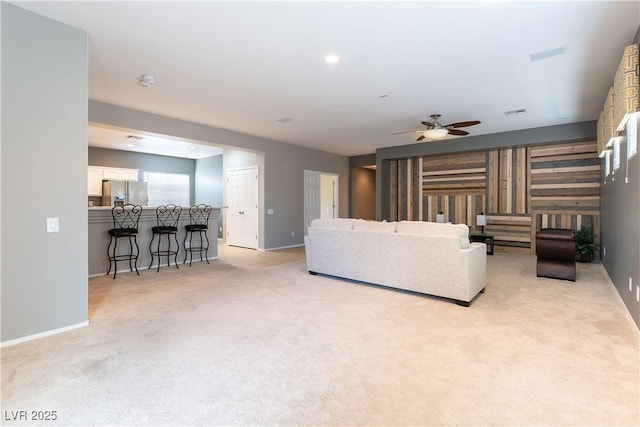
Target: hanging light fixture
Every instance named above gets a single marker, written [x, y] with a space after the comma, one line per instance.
[435, 133]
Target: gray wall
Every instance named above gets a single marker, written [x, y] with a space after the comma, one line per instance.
[209, 181]
[145, 162]
[210, 184]
[282, 171]
[620, 224]
[44, 174]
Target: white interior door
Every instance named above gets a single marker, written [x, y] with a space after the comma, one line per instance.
[242, 199]
[320, 196]
[312, 199]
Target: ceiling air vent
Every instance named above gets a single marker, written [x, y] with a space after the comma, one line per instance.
[515, 112]
[136, 137]
[284, 120]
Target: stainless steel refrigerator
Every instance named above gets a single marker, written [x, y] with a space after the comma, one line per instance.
[118, 193]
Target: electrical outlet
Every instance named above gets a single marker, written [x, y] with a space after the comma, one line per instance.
[604, 251]
[293, 234]
[637, 293]
[630, 284]
[53, 226]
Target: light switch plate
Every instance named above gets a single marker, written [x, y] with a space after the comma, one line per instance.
[53, 225]
[269, 211]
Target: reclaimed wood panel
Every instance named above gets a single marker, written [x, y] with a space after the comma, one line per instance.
[565, 187]
[511, 233]
[458, 209]
[558, 185]
[492, 178]
[393, 190]
[508, 178]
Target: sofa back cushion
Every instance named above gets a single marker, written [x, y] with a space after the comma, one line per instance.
[341, 223]
[379, 226]
[436, 229]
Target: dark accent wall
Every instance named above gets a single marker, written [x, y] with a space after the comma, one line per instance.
[363, 193]
[362, 197]
[620, 222]
[145, 162]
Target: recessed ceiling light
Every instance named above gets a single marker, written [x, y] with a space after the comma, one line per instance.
[284, 120]
[130, 145]
[331, 58]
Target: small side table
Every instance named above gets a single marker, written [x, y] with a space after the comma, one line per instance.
[483, 238]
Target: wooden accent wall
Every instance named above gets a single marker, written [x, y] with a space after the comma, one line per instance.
[454, 185]
[519, 189]
[508, 181]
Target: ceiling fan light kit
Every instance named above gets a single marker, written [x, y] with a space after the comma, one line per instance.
[436, 131]
[435, 134]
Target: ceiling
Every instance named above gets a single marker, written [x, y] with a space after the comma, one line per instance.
[246, 66]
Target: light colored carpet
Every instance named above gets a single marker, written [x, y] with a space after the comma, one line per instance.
[252, 339]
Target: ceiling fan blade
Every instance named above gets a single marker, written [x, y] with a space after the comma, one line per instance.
[429, 125]
[463, 124]
[420, 138]
[458, 132]
[408, 131]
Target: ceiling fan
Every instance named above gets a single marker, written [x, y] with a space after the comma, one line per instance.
[435, 130]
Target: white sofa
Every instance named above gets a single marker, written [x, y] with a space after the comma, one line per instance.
[426, 257]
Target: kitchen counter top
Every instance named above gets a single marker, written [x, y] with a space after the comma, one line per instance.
[102, 208]
[100, 221]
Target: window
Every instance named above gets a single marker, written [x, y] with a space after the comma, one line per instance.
[632, 135]
[166, 188]
[607, 163]
[616, 154]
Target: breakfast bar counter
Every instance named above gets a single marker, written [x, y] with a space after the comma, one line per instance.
[100, 221]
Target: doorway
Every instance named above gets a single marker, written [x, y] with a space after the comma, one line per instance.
[242, 200]
[320, 196]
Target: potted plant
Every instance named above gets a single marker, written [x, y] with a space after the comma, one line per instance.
[585, 247]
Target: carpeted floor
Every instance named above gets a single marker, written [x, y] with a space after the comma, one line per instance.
[252, 339]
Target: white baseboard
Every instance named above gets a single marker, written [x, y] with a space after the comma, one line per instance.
[284, 247]
[43, 334]
[623, 306]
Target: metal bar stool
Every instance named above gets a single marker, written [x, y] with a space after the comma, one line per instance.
[198, 224]
[167, 225]
[125, 224]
